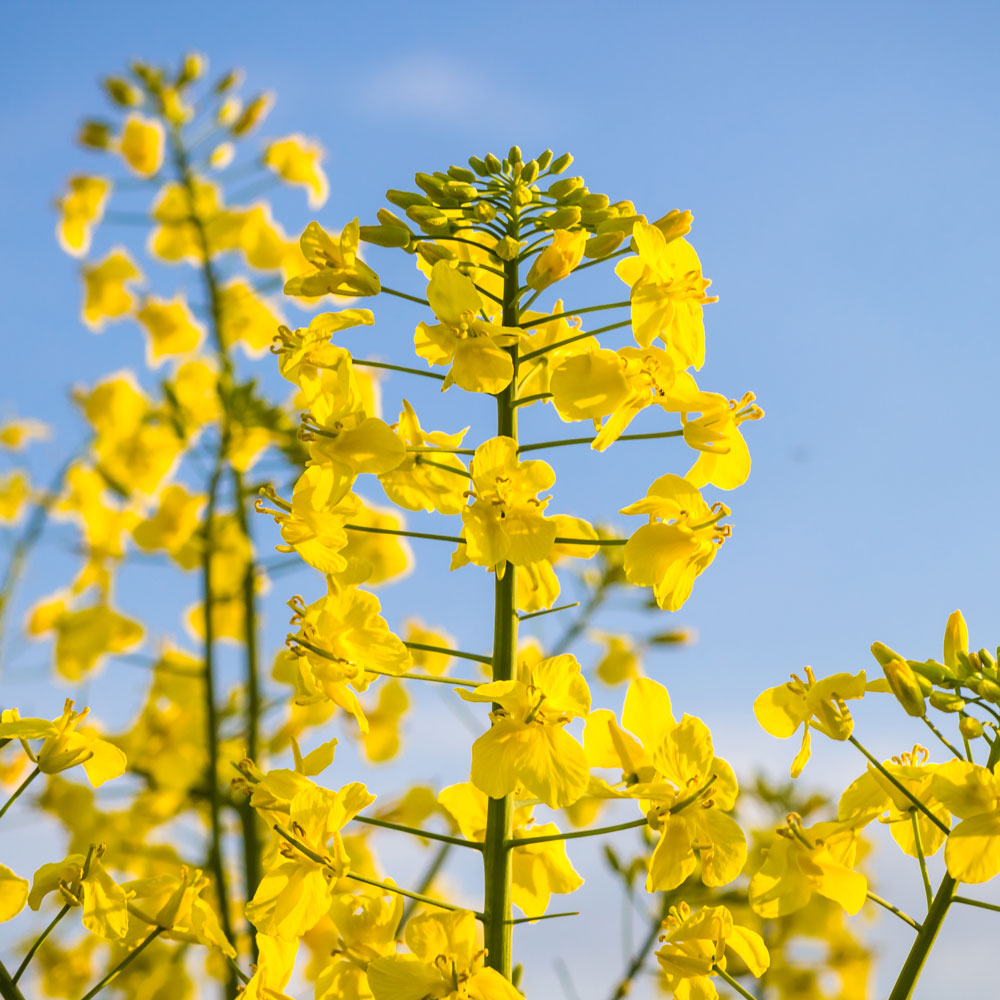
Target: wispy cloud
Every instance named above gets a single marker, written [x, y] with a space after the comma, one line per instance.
[440, 88]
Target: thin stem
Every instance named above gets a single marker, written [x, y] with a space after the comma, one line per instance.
[966, 901]
[444, 451]
[574, 834]
[418, 896]
[905, 917]
[20, 788]
[582, 335]
[590, 440]
[127, 960]
[912, 967]
[728, 979]
[437, 863]
[591, 541]
[531, 399]
[403, 295]
[449, 652]
[570, 312]
[601, 260]
[396, 368]
[900, 787]
[38, 941]
[928, 891]
[544, 916]
[476, 845]
[638, 959]
[547, 611]
[410, 675]
[420, 460]
[405, 534]
[934, 729]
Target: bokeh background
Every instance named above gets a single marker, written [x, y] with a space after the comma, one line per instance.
[841, 165]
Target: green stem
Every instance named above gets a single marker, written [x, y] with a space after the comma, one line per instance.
[403, 295]
[8, 988]
[416, 832]
[405, 534]
[20, 788]
[966, 901]
[420, 460]
[38, 941]
[524, 400]
[548, 611]
[544, 916]
[590, 440]
[895, 910]
[928, 891]
[396, 368]
[582, 335]
[937, 732]
[638, 959]
[912, 967]
[900, 787]
[497, 859]
[126, 961]
[569, 312]
[575, 834]
[443, 451]
[461, 654]
[728, 979]
[590, 541]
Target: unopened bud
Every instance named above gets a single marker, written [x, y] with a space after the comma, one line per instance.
[945, 701]
[970, 728]
[478, 165]
[461, 174]
[507, 248]
[987, 661]
[529, 171]
[484, 211]
[905, 687]
[564, 187]
[989, 690]
[936, 673]
[386, 236]
[956, 638]
[404, 199]
[601, 246]
[433, 252]
[560, 163]
[884, 654]
[514, 155]
[122, 92]
[563, 218]
[493, 165]
[94, 134]
[544, 159]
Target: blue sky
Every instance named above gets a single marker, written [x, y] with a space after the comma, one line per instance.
[840, 162]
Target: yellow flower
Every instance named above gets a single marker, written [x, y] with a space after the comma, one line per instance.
[176, 903]
[297, 161]
[13, 894]
[374, 558]
[382, 740]
[558, 259]
[694, 947]
[338, 270]
[873, 795]
[528, 741]
[171, 528]
[537, 582]
[668, 292]
[84, 882]
[652, 378]
[246, 319]
[804, 860]
[446, 963]
[588, 385]
[364, 929]
[177, 238]
[106, 295]
[338, 636]
[79, 210]
[15, 488]
[15, 434]
[820, 705]
[534, 376]
[296, 891]
[474, 347]
[417, 483]
[505, 521]
[141, 144]
[725, 459]
[432, 663]
[620, 661]
[679, 542]
[972, 793]
[313, 523]
[170, 326]
[65, 744]
[253, 114]
[304, 354]
[275, 962]
[539, 870]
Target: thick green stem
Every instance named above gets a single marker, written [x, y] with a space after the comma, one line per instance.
[497, 859]
[914, 963]
[8, 988]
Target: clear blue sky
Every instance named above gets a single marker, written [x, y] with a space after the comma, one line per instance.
[840, 161]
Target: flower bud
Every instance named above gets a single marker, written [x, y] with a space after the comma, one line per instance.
[530, 171]
[956, 638]
[883, 653]
[229, 80]
[493, 165]
[970, 728]
[507, 248]
[564, 187]
[945, 701]
[544, 159]
[931, 670]
[514, 155]
[94, 135]
[986, 659]
[427, 216]
[432, 252]
[484, 211]
[385, 236]
[560, 163]
[989, 690]
[404, 199]
[905, 687]
[478, 165]
[192, 67]
[461, 174]
[123, 93]
[563, 218]
[602, 245]
[431, 185]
